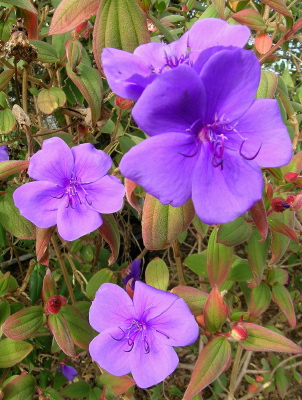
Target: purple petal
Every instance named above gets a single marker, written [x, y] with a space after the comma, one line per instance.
[150, 302]
[54, 163]
[109, 353]
[177, 323]
[4, 153]
[69, 372]
[106, 195]
[175, 100]
[262, 125]
[222, 195]
[136, 268]
[110, 308]
[77, 221]
[231, 79]
[127, 73]
[210, 32]
[201, 58]
[39, 202]
[152, 368]
[90, 164]
[159, 164]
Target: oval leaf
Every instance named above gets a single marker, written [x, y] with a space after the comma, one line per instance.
[43, 236]
[267, 86]
[50, 99]
[7, 121]
[256, 254]
[215, 311]
[258, 213]
[212, 361]
[282, 297]
[25, 4]
[46, 52]
[20, 388]
[59, 328]
[194, 298]
[8, 168]
[132, 199]
[280, 242]
[197, 263]
[234, 233]
[49, 286]
[263, 43]
[5, 77]
[118, 384]
[251, 18]
[109, 231]
[12, 352]
[103, 276]
[24, 324]
[260, 299]
[157, 274]
[278, 5]
[280, 227]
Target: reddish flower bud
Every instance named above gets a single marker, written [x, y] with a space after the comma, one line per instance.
[122, 103]
[253, 387]
[259, 378]
[200, 319]
[239, 333]
[55, 303]
[279, 204]
[295, 202]
[83, 30]
[291, 176]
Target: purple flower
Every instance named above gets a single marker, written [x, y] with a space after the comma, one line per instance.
[134, 273]
[128, 74]
[3, 153]
[137, 336]
[209, 136]
[72, 189]
[69, 372]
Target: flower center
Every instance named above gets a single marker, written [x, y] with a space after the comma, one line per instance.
[171, 60]
[76, 192]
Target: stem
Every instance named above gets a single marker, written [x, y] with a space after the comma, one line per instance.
[179, 266]
[234, 373]
[24, 89]
[16, 86]
[63, 268]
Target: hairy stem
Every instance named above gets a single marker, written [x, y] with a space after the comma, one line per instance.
[179, 265]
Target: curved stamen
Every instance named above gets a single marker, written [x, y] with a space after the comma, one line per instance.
[245, 157]
[146, 345]
[132, 345]
[121, 337]
[59, 197]
[163, 334]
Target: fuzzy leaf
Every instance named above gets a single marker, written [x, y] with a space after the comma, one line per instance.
[59, 328]
[219, 260]
[220, 5]
[7, 121]
[234, 233]
[256, 254]
[49, 286]
[30, 23]
[102, 276]
[12, 352]
[282, 297]
[215, 311]
[278, 5]
[50, 99]
[76, 390]
[5, 78]
[157, 274]
[267, 86]
[8, 168]
[263, 339]
[280, 227]
[46, 52]
[263, 43]
[120, 24]
[260, 299]
[20, 388]
[212, 361]
[109, 231]
[132, 199]
[118, 384]
[240, 271]
[258, 213]
[280, 242]
[251, 18]
[4, 313]
[24, 324]
[4, 283]
[194, 298]
[25, 4]
[43, 236]
[202, 229]
[162, 224]
[295, 164]
[197, 263]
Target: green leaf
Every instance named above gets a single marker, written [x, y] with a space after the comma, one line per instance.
[157, 274]
[77, 390]
[12, 221]
[280, 242]
[278, 5]
[46, 52]
[8, 168]
[12, 352]
[118, 384]
[202, 229]
[250, 17]
[20, 388]
[4, 313]
[4, 283]
[267, 86]
[283, 299]
[59, 328]
[110, 232]
[280, 227]
[5, 28]
[234, 233]
[49, 286]
[103, 276]
[215, 311]
[197, 263]
[89, 81]
[24, 324]
[58, 43]
[35, 284]
[50, 99]
[7, 121]
[241, 271]
[5, 78]
[212, 361]
[162, 224]
[194, 298]
[26, 4]
[257, 254]
[260, 299]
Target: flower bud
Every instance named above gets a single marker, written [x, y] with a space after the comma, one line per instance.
[122, 103]
[55, 303]
[279, 204]
[291, 176]
[239, 333]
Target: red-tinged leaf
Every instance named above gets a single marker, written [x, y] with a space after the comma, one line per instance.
[295, 165]
[21, 387]
[235, 232]
[291, 176]
[25, 4]
[268, 196]
[263, 339]
[30, 23]
[219, 260]
[162, 224]
[109, 231]
[43, 236]
[258, 213]
[256, 254]
[4, 283]
[157, 274]
[280, 242]
[250, 17]
[73, 53]
[12, 352]
[212, 361]
[59, 328]
[268, 85]
[280, 227]
[260, 299]
[215, 311]
[220, 6]
[89, 81]
[132, 199]
[282, 297]
[263, 43]
[277, 275]
[71, 13]
[80, 330]
[118, 384]
[5, 78]
[120, 24]
[49, 286]
[8, 168]
[278, 5]
[202, 229]
[24, 323]
[194, 298]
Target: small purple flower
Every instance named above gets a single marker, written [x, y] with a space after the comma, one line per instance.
[3, 153]
[137, 336]
[72, 189]
[69, 372]
[134, 273]
[209, 137]
[128, 74]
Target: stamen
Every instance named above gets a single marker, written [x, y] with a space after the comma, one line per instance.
[59, 197]
[163, 334]
[118, 340]
[245, 157]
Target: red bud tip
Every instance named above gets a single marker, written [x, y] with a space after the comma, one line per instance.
[253, 387]
[122, 103]
[239, 333]
[55, 303]
[295, 202]
[291, 176]
[259, 378]
[200, 319]
[279, 204]
[129, 289]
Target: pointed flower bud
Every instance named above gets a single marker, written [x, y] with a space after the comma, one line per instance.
[239, 333]
[122, 103]
[55, 303]
[279, 204]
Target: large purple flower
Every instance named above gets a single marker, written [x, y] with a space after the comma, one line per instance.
[137, 336]
[72, 189]
[3, 153]
[209, 136]
[128, 74]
